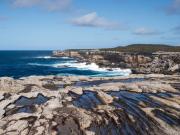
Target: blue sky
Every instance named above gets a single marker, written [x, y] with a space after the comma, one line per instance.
[62, 24]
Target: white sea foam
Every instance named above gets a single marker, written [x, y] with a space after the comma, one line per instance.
[82, 66]
[92, 67]
[95, 67]
[44, 57]
[64, 57]
[38, 64]
[50, 57]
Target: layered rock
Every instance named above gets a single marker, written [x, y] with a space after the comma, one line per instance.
[159, 62]
[137, 105]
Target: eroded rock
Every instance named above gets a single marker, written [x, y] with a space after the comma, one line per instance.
[105, 98]
[137, 104]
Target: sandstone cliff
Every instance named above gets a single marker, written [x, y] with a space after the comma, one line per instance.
[159, 62]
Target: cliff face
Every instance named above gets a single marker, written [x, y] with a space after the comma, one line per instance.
[127, 60]
[160, 62]
[166, 63]
[73, 54]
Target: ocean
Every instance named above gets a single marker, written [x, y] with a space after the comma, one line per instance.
[18, 64]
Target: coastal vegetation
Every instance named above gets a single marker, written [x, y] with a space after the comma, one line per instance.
[145, 48]
[136, 48]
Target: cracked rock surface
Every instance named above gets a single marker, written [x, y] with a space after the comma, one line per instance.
[52, 105]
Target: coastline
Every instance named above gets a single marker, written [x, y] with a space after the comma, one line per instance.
[102, 67]
[139, 63]
[145, 103]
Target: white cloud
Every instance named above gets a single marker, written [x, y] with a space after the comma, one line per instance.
[174, 8]
[47, 4]
[93, 20]
[145, 31]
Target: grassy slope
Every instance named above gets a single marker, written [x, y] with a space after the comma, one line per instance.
[138, 48]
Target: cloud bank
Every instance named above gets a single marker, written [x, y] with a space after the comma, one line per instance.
[146, 32]
[93, 20]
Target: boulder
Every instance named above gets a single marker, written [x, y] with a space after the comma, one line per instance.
[105, 98]
[76, 90]
[174, 68]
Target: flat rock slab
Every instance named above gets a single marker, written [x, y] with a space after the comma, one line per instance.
[147, 106]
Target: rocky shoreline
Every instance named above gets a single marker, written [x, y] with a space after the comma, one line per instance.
[139, 63]
[73, 105]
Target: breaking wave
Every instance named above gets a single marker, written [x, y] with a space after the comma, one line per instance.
[88, 67]
[45, 57]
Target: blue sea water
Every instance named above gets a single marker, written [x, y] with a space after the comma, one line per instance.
[26, 63]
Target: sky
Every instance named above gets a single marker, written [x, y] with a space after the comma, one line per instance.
[64, 24]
